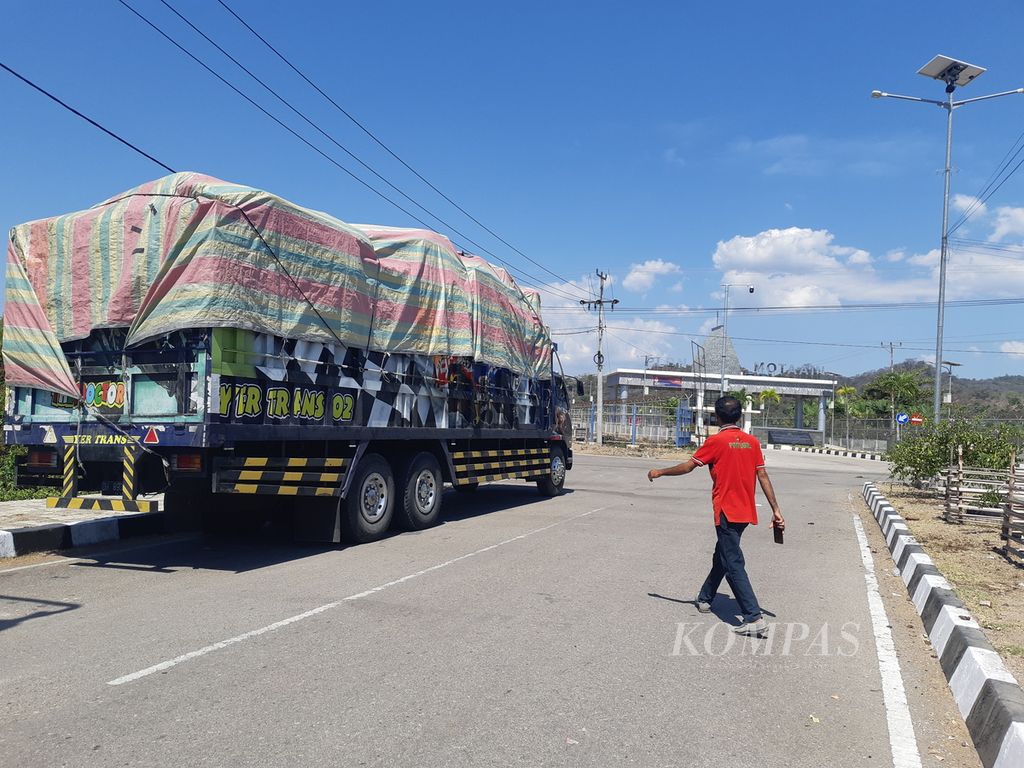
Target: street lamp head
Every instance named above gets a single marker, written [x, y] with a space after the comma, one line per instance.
[877, 94]
[952, 72]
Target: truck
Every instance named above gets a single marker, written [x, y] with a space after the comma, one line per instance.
[244, 355]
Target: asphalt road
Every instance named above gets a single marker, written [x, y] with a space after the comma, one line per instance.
[524, 631]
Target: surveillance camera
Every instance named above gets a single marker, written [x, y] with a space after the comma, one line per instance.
[750, 288]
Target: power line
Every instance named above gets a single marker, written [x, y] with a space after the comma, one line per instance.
[316, 149]
[87, 119]
[168, 168]
[384, 146]
[798, 309]
[316, 127]
[814, 343]
[984, 194]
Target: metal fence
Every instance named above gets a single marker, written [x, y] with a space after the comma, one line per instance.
[628, 423]
[659, 425]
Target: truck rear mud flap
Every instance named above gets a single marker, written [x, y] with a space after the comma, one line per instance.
[275, 476]
[472, 467]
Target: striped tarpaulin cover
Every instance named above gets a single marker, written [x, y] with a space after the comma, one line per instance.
[191, 251]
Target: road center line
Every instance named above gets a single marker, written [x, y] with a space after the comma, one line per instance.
[164, 665]
[901, 727]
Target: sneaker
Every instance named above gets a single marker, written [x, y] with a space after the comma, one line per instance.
[756, 628]
[703, 606]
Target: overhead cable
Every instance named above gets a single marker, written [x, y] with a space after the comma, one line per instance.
[88, 119]
[384, 146]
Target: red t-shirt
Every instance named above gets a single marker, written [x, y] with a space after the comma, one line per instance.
[733, 457]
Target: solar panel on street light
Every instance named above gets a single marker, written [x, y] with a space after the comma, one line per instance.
[943, 68]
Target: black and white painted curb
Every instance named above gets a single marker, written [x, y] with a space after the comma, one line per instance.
[827, 451]
[45, 538]
[987, 695]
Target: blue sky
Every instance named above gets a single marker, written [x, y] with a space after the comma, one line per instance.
[675, 146]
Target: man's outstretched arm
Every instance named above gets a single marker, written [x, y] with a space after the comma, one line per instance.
[769, 493]
[679, 469]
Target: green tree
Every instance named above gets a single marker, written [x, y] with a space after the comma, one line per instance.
[768, 397]
[902, 388]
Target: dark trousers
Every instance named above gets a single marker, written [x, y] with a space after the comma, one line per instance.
[728, 563]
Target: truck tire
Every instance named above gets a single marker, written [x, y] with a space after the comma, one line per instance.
[370, 503]
[554, 483]
[421, 487]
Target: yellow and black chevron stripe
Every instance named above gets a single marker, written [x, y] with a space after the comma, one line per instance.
[278, 490]
[266, 476]
[511, 453]
[108, 505]
[128, 487]
[263, 462]
[69, 472]
[277, 476]
[488, 466]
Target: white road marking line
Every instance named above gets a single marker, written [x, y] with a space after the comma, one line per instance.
[901, 727]
[329, 606]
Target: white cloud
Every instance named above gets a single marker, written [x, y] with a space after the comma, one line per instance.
[1009, 221]
[797, 267]
[641, 277]
[1015, 348]
[896, 254]
[963, 202]
[626, 341]
[789, 206]
[677, 287]
[930, 259]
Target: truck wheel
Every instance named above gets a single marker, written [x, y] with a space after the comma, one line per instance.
[421, 488]
[370, 503]
[553, 484]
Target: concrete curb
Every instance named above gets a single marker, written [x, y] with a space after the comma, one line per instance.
[827, 451]
[987, 695]
[45, 538]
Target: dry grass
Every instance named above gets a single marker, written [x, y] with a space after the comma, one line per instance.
[969, 557]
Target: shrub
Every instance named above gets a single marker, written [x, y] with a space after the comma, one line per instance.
[929, 450]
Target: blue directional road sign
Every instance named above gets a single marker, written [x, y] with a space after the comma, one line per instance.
[902, 418]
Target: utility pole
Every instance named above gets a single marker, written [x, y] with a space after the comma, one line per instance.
[599, 357]
[892, 395]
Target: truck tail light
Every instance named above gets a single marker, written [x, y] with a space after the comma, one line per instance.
[187, 462]
[42, 459]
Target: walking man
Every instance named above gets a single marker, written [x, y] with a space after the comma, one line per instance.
[734, 459]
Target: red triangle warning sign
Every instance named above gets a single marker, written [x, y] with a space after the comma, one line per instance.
[151, 438]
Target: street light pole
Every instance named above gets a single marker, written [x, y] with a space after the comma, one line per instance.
[725, 334]
[953, 73]
[725, 329]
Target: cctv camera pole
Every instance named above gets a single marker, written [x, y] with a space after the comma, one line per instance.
[952, 73]
[599, 357]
